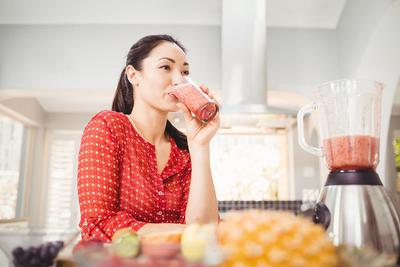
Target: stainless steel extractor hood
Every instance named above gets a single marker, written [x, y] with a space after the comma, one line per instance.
[244, 105]
[244, 58]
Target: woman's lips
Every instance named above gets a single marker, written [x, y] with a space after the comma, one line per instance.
[172, 97]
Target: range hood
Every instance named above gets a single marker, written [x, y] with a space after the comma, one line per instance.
[244, 106]
[244, 59]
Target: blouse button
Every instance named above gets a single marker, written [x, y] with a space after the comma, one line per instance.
[160, 193]
[159, 213]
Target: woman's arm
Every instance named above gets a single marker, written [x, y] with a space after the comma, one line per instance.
[160, 227]
[202, 206]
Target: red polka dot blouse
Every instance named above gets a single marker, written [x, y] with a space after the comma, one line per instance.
[118, 181]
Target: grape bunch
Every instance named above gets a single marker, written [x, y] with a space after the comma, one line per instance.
[37, 256]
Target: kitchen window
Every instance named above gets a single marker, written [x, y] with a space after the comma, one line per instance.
[12, 145]
[250, 165]
[61, 204]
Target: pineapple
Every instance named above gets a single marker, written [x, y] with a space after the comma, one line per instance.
[273, 239]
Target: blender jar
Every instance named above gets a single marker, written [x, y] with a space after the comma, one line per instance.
[349, 116]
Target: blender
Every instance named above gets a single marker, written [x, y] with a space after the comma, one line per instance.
[353, 205]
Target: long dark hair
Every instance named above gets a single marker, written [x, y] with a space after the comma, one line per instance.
[123, 99]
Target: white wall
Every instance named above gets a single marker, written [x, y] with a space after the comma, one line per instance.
[90, 57]
[83, 57]
[355, 28]
[299, 59]
[67, 121]
[381, 61]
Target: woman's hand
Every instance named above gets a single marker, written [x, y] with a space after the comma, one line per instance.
[198, 132]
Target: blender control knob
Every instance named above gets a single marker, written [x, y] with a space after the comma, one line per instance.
[322, 215]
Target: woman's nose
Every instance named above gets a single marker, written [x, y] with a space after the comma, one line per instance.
[178, 79]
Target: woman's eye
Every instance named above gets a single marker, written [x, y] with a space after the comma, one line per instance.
[186, 72]
[165, 67]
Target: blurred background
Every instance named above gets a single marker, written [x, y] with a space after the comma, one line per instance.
[60, 62]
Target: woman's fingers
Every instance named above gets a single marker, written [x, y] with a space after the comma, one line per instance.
[215, 121]
[204, 88]
[208, 92]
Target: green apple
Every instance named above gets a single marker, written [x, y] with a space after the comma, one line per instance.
[125, 243]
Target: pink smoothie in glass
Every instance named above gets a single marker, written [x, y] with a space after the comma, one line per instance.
[196, 101]
[352, 152]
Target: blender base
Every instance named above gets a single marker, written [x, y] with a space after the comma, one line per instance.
[359, 214]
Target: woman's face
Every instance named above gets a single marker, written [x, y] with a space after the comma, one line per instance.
[165, 67]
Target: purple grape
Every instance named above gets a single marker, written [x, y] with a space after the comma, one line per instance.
[58, 245]
[17, 252]
[17, 264]
[27, 254]
[34, 262]
[43, 252]
[42, 255]
[53, 252]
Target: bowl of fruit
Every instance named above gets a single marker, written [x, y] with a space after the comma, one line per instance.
[30, 247]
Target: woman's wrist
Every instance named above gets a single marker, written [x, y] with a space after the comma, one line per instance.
[195, 148]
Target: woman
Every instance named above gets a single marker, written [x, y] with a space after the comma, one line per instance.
[135, 168]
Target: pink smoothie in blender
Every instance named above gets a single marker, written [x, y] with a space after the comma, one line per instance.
[198, 102]
[349, 120]
[352, 152]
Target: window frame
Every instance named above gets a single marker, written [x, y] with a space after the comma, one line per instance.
[25, 165]
[50, 137]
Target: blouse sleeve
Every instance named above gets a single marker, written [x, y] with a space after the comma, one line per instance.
[98, 183]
